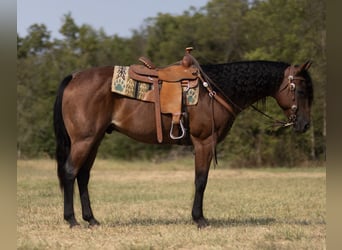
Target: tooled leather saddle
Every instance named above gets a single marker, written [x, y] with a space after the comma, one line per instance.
[168, 83]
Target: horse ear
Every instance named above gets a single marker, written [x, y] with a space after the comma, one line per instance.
[305, 66]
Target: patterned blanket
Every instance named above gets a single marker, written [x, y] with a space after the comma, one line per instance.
[122, 84]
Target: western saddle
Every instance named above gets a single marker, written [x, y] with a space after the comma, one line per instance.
[168, 83]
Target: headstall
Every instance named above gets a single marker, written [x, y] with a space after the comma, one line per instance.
[292, 89]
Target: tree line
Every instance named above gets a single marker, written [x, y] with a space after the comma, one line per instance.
[222, 31]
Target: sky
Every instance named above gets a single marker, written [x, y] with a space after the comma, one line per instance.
[114, 16]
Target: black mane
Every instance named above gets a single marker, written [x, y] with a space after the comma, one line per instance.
[246, 81]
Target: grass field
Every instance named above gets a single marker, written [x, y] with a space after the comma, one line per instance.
[143, 205]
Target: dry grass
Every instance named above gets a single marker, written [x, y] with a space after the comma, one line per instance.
[148, 206]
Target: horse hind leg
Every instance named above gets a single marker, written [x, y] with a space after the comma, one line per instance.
[68, 192]
[79, 153]
[82, 181]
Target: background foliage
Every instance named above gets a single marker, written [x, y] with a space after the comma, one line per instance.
[221, 31]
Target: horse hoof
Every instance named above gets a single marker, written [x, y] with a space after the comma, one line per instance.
[202, 223]
[74, 225]
[93, 223]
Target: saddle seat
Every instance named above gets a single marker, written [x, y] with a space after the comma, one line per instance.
[167, 87]
[172, 73]
[177, 72]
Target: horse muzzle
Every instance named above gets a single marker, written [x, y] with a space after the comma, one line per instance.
[299, 123]
[301, 126]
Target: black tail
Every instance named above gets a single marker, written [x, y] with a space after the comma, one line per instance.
[62, 137]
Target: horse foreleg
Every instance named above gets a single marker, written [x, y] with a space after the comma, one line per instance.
[203, 157]
[197, 209]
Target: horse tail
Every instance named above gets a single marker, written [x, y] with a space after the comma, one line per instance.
[61, 134]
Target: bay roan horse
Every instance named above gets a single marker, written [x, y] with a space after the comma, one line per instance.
[85, 109]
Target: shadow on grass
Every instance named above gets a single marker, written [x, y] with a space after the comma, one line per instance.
[230, 222]
[305, 222]
[150, 222]
[215, 223]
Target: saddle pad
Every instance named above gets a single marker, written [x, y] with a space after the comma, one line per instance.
[124, 85]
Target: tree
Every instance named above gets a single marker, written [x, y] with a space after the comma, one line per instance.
[37, 41]
[215, 31]
[69, 29]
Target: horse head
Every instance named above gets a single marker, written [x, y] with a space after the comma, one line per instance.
[295, 96]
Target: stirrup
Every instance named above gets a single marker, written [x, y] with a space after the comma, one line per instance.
[182, 128]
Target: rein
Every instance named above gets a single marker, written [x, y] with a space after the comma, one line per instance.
[277, 122]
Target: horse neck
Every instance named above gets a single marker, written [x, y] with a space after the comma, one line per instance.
[246, 82]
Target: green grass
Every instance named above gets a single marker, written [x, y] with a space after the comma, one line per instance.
[144, 205]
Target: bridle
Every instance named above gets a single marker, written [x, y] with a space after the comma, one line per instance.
[291, 87]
